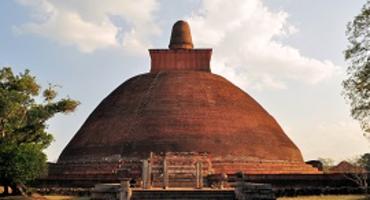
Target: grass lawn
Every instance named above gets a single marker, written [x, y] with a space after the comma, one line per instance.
[39, 197]
[55, 197]
[59, 197]
[47, 197]
[327, 197]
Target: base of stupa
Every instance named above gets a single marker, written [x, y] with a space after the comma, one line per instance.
[174, 169]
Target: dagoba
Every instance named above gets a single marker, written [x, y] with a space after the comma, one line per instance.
[173, 117]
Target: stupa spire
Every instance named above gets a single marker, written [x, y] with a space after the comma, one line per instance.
[181, 36]
[181, 55]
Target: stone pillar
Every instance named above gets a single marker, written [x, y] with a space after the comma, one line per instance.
[223, 179]
[199, 174]
[125, 193]
[165, 173]
[146, 174]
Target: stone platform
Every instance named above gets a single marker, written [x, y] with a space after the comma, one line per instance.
[172, 169]
[244, 191]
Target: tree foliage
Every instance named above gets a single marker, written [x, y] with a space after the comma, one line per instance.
[364, 161]
[360, 172]
[357, 54]
[21, 163]
[326, 163]
[24, 111]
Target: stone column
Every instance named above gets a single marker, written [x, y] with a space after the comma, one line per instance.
[223, 180]
[199, 174]
[125, 192]
[165, 173]
[146, 174]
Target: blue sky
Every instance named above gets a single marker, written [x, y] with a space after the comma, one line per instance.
[287, 54]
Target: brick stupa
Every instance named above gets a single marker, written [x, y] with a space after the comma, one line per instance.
[175, 116]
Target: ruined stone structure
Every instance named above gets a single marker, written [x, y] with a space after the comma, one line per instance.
[176, 122]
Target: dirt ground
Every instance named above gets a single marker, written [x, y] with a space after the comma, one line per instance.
[48, 197]
[328, 197]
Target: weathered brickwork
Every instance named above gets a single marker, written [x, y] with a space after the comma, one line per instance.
[176, 125]
[177, 169]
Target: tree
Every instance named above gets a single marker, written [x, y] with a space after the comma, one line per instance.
[326, 163]
[20, 164]
[357, 85]
[23, 134]
[364, 161]
[358, 173]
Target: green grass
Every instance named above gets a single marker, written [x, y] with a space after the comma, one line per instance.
[327, 197]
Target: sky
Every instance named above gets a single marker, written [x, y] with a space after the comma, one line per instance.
[287, 54]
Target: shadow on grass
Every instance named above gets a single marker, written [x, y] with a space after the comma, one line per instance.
[48, 197]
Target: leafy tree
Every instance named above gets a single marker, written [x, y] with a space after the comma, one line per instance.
[23, 135]
[365, 161]
[358, 174]
[357, 54]
[326, 163]
[20, 163]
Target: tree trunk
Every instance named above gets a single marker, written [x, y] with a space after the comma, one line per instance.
[366, 186]
[15, 190]
[6, 190]
[23, 189]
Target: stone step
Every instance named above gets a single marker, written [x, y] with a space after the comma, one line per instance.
[185, 195]
[260, 165]
[226, 161]
[272, 171]
[267, 169]
[262, 169]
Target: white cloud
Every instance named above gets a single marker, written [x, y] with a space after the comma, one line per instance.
[243, 33]
[88, 24]
[244, 36]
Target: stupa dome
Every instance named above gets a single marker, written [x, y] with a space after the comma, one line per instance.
[180, 106]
